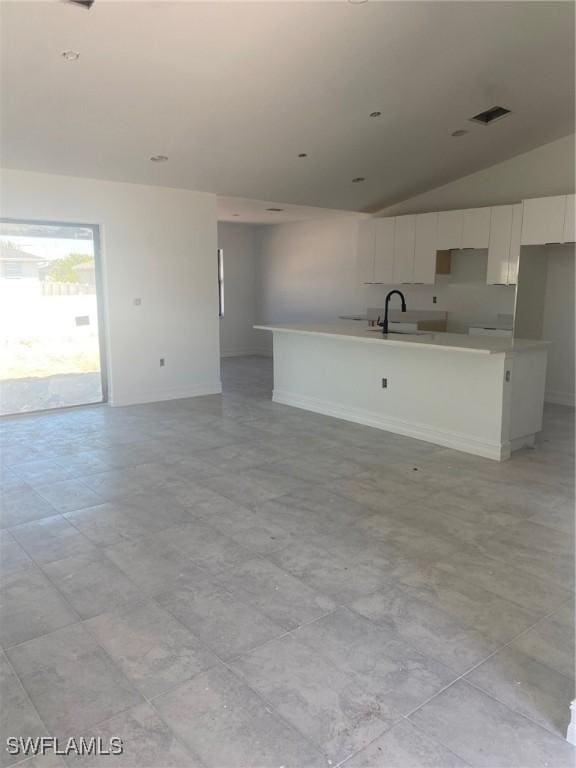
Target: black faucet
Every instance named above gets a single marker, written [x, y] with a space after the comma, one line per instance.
[388, 297]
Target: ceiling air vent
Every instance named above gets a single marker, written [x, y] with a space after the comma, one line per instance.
[494, 113]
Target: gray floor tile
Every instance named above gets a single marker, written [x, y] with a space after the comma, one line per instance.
[281, 597]
[425, 627]
[111, 485]
[92, 584]
[550, 642]
[252, 530]
[227, 724]
[85, 462]
[12, 556]
[30, 607]
[393, 671]
[514, 584]
[147, 743]
[331, 707]
[224, 623]
[404, 746]
[17, 507]
[71, 681]
[41, 471]
[486, 733]
[150, 562]
[52, 538]
[50, 760]
[527, 686]
[203, 545]
[339, 579]
[541, 550]
[18, 718]
[470, 604]
[155, 651]
[246, 519]
[129, 518]
[68, 495]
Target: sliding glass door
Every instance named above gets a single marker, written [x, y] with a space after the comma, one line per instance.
[51, 352]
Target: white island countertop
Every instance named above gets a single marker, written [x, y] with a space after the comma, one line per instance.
[457, 342]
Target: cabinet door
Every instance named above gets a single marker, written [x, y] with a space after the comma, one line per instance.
[404, 239]
[450, 224]
[384, 259]
[543, 220]
[425, 248]
[366, 250]
[476, 228]
[570, 220]
[515, 238]
[499, 248]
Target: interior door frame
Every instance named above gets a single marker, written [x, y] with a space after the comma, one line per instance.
[100, 299]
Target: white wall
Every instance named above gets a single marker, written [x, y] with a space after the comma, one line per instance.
[558, 324]
[157, 244]
[237, 336]
[307, 272]
[546, 170]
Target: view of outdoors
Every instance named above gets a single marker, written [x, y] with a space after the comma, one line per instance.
[49, 354]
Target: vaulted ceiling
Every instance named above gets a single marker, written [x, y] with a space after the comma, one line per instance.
[233, 92]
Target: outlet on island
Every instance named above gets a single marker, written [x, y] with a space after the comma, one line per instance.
[162, 362]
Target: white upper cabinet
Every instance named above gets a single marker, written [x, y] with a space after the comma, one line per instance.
[500, 241]
[425, 248]
[450, 229]
[384, 252]
[543, 220]
[366, 250]
[476, 228]
[404, 242]
[570, 220]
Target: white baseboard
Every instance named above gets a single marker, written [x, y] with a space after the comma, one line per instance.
[157, 396]
[560, 398]
[447, 439]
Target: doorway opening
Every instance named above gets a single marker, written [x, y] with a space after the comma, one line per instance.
[52, 346]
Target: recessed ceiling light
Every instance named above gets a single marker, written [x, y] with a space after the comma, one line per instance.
[357, 2]
[358, 179]
[275, 210]
[375, 114]
[158, 158]
[70, 55]
[302, 154]
[459, 132]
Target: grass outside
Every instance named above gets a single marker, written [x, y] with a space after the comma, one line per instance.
[40, 357]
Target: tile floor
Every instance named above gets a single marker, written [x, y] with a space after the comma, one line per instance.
[229, 583]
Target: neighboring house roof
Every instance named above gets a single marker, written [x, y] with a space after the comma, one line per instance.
[7, 253]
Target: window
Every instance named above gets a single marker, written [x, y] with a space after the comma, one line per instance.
[220, 283]
[13, 269]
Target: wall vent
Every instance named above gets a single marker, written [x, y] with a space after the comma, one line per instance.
[494, 113]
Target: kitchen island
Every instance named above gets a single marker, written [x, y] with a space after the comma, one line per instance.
[478, 394]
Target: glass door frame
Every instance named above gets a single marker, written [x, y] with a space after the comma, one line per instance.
[100, 302]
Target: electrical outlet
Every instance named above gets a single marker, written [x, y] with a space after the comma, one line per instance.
[162, 362]
[434, 299]
[384, 383]
[137, 302]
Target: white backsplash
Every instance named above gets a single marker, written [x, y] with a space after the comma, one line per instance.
[463, 294]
